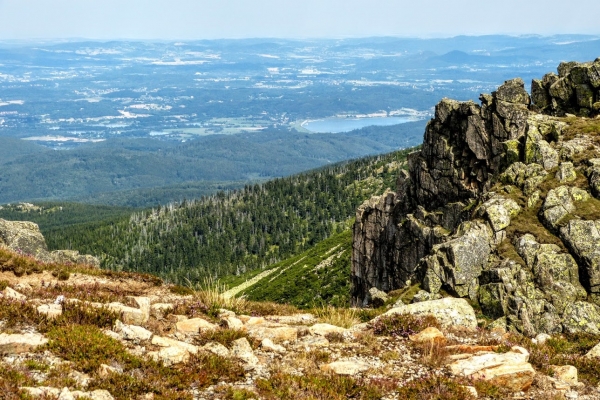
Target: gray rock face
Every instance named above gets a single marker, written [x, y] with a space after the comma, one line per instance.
[574, 90]
[24, 237]
[444, 228]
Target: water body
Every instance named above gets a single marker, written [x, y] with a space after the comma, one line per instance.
[338, 125]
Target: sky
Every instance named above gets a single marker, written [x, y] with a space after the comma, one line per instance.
[212, 19]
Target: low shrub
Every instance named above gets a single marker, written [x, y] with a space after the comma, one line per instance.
[317, 386]
[223, 336]
[434, 388]
[402, 325]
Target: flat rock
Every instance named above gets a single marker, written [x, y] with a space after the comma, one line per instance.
[565, 373]
[430, 334]
[268, 345]
[594, 352]
[51, 310]
[216, 348]
[168, 342]
[232, 322]
[325, 329]
[158, 310]
[129, 315]
[132, 332]
[296, 319]
[20, 343]
[448, 311]
[194, 325]
[11, 294]
[277, 334]
[242, 350]
[170, 355]
[345, 367]
[41, 391]
[510, 370]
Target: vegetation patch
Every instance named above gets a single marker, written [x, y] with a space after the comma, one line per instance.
[224, 336]
[317, 386]
[434, 387]
[342, 317]
[402, 325]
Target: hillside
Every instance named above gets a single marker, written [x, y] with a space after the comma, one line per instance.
[238, 231]
[148, 172]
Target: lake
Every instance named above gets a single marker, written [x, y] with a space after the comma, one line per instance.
[337, 125]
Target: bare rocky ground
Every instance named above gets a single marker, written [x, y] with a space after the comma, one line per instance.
[98, 335]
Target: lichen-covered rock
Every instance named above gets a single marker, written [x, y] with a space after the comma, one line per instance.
[20, 343]
[582, 317]
[458, 262]
[73, 257]
[560, 202]
[566, 172]
[583, 239]
[25, 238]
[448, 311]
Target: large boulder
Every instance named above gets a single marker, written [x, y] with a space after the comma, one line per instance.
[448, 311]
[25, 238]
[583, 239]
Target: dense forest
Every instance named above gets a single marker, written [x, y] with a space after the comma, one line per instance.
[230, 233]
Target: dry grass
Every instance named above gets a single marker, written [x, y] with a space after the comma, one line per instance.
[210, 293]
[342, 317]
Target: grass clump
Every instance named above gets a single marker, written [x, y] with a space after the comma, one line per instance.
[402, 325]
[260, 308]
[434, 388]
[181, 290]
[223, 336]
[342, 317]
[11, 379]
[317, 386]
[3, 285]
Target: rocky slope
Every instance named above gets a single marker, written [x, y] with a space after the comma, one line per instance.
[85, 333]
[499, 207]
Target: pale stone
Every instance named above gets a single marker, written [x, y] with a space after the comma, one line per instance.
[472, 391]
[565, 373]
[51, 310]
[345, 367]
[170, 355]
[105, 370]
[430, 334]
[541, 338]
[65, 394]
[20, 343]
[232, 322]
[94, 395]
[11, 294]
[509, 370]
[325, 329]
[242, 350]
[267, 344]
[194, 325]
[448, 311]
[168, 342]
[594, 352]
[311, 342]
[277, 334]
[216, 348]
[129, 315]
[255, 321]
[132, 332]
[158, 310]
[297, 319]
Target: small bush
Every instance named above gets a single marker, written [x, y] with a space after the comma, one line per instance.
[3, 285]
[262, 308]
[181, 290]
[317, 386]
[17, 314]
[86, 347]
[402, 325]
[11, 379]
[35, 365]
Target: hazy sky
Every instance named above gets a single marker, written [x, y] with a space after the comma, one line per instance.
[207, 19]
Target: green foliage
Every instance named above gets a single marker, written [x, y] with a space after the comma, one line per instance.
[314, 277]
[11, 379]
[402, 325]
[181, 290]
[434, 388]
[86, 347]
[234, 232]
[223, 336]
[316, 386]
[3, 285]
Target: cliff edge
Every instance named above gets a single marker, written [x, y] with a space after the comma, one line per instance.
[499, 206]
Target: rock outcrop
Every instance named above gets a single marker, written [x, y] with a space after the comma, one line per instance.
[498, 207]
[25, 238]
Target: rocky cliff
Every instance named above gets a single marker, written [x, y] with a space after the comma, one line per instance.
[498, 206]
